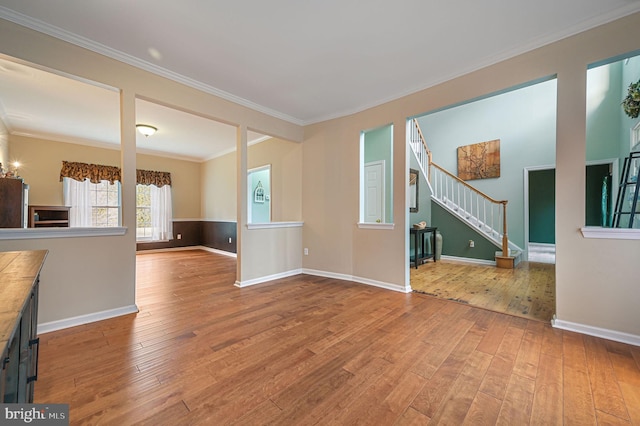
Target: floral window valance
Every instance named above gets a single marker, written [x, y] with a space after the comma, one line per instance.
[96, 173]
[150, 177]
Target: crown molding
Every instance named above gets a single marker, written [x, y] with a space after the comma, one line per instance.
[83, 42]
[64, 35]
[491, 60]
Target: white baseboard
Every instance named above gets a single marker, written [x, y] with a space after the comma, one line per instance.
[205, 248]
[222, 252]
[86, 319]
[469, 260]
[604, 333]
[360, 280]
[267, 278]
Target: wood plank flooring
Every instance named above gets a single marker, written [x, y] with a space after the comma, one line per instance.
[527, 291]
[310, 350]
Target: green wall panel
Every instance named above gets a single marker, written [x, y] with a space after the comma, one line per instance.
[456, 236]
[542, 206]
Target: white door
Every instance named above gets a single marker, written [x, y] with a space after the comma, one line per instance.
[374, 192]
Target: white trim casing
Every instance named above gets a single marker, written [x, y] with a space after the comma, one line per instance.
[32, 233]
[271, 225]
[366, 225]
[610, 233]
[48, 327]
[617, 336]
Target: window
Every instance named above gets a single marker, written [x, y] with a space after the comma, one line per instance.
[92, 204]
[154, 218]
[143, 212]
[105, 204]
[98, 205]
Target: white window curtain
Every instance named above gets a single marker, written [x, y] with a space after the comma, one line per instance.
[77, 196]
[161, 213]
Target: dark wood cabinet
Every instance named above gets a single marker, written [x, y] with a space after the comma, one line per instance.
[48, 216]
[19, 282]
[12, 203]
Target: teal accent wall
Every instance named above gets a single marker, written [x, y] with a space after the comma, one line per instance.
[378, 144]
[424, 196]
[260, 212]
[604, 133]
[542, 206]
[456, 236]
[630, 74]
[608, 129]
[597, 195]
[525, 122]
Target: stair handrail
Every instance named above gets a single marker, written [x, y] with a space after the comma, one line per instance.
[502, 203]
[456, 178]
[421, 150]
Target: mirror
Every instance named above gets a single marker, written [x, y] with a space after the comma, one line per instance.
[413, 190]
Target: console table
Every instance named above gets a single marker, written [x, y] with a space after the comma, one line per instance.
[19, 275]
[420, 255]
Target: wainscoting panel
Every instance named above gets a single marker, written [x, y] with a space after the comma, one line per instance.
[212, 234]
[217, 234]
[190, 231]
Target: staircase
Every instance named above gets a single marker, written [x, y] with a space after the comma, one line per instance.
[479, 211]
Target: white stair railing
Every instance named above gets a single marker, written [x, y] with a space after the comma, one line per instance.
[473, 206]
[476, 208]
[419, 147]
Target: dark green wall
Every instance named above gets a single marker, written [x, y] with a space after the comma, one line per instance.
[594, 200]
[542, 206]
[542, 201]
[456, 236]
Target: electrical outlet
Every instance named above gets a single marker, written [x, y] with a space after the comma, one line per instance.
[306, 251]
[472, 244]
[229, 240]
[179, 236]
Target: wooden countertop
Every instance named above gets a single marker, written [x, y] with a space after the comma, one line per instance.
[18, 272]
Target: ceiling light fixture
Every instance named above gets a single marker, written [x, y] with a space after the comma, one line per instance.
[146, 129]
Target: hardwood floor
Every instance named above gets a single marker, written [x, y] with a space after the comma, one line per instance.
[310, 350]
[528, 291]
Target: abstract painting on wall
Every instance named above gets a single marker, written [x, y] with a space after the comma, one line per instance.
[479, 160]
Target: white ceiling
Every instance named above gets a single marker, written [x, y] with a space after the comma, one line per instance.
[303, 61]
[42, 104]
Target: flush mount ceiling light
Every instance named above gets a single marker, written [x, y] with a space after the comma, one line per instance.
[146, 129]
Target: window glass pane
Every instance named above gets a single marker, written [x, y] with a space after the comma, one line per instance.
[105, 204]
[143, 212]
